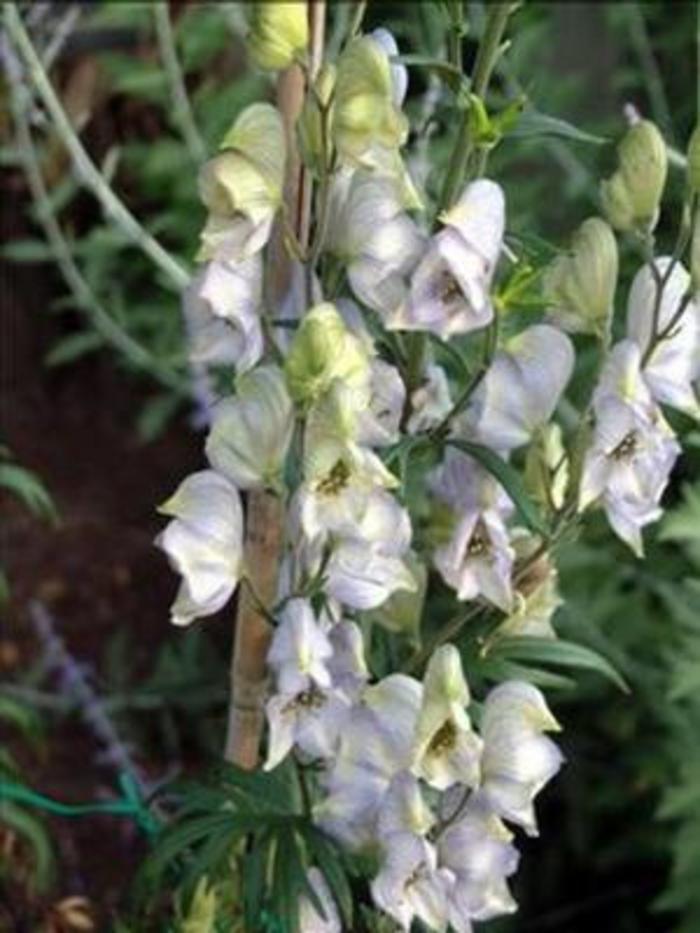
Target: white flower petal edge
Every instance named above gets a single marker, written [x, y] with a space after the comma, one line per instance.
[204, 543]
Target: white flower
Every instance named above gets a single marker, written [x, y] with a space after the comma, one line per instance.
[363, 576]
[251, 433]
[410, 884]
[477, 849]
[450, 287]
[632, 451]
[204, 543]
[404, 809]
[300, 651]
[375, 746]
[521, 388]
[674, 364]
[310, 720]
[517, 760]
[446, 749]
[477, 557]
[399, 72]
[347, 665]
[222, 305]
[310, 921]
[431, 401]
[371, 233]
[378, 423]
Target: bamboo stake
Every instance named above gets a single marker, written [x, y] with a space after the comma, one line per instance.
[264, 517]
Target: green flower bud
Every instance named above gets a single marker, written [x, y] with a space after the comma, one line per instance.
[312, 128]
[631, 196]
[365, 111]
[579, 287]
[547, 467]
[694, 160]
[323, 350]
[279, 33]
[202, 911]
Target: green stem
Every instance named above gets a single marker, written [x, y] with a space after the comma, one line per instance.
[486, 58]
[182, 109]
[84, 166]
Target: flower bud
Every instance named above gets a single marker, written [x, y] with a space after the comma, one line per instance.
[365, 111]
[323, 349]
[251, 433]
[547, 467]
[694, 160]
[580, 287]
[314, 141]
[631, 196]
[279, 33]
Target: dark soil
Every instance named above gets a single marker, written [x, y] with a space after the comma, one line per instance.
[97, 571]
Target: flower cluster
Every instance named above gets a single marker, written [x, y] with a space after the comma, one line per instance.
[322, 410]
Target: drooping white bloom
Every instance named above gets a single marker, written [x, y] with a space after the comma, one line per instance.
[372, 234]
[375, 746]
[521, 388]
[478, 850]
[477, 557]
[446, 750]
[363, 576]
[517, 759]
[378, 423]
[300, 651]
[347, 665]
[431, 401]
[310, 720]
[310, 920]
[450, 287]
[204, 543]
[404, 809]
[410, 884]
[633, 449]
[251, 432]
[222, 311]
[674, 364]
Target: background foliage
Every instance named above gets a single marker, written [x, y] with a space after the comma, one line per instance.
[621, 827]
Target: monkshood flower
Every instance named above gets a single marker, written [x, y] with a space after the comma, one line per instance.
[410, 885]
[580, 286]
[476, 558]
[449, 291]
[251, 432]
[521, 388]
[674, 364]
[446, 750]
[347, 665]
[517, 759]
[378, 423]
[222, 308]
[300, 650]
[324, 350]
[366, 114]
[632, 451]
[478, 850]
[279, 33]
[242, 186]
[373, 236]
[431, 401]
[310, 920]
[310, 721]
[363, 575]
[404, 809]
[375, 745]
[204, 543]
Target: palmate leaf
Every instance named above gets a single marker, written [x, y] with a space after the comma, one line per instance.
[511, 481]
[528, 652]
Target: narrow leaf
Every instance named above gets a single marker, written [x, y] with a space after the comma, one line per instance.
[560, 653]
[532, 123]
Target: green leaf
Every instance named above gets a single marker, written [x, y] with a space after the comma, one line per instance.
[532, 123]
[560, 653]
[73, 347]
[21, 716]
[155, 415]
[511, 481]
[29, 489]
[499, 669]
[328, 862]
